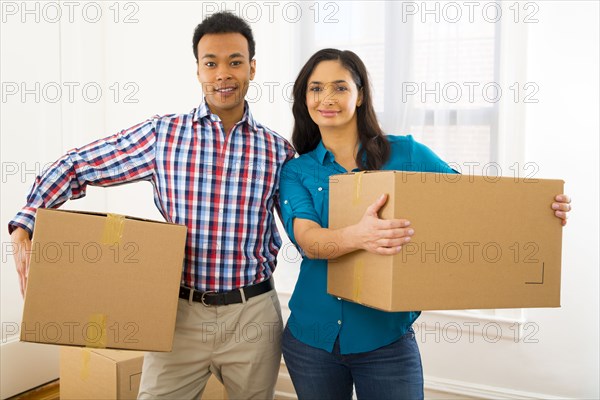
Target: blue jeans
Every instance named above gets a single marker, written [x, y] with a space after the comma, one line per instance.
[390, 372]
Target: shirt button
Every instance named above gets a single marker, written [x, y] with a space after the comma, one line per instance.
[339, 298]
[285, 202]
[339, 321]
[220, 211]
[320, 189]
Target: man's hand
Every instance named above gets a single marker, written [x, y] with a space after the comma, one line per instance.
[20, 238]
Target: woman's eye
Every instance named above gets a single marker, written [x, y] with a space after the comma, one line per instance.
[341, 88]
[315, 89]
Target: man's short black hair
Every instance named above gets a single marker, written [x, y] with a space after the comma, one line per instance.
[224, 22]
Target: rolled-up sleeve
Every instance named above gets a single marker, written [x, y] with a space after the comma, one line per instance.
[295, 199]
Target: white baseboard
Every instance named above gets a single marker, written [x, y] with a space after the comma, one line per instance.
[24, 366]
[438, 388]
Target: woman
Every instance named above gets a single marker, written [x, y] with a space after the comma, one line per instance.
[330, 344]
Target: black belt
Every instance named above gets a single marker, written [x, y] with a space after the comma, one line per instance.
[224, 298]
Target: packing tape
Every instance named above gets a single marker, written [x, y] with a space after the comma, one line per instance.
[113, 229]
[357, 281]
[86, 354]
[96, 337]
[357, 187]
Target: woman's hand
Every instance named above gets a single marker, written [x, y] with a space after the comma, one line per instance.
[373, 234]
[377, 235]
[561, 207]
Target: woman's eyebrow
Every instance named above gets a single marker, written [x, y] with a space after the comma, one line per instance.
[318, 82]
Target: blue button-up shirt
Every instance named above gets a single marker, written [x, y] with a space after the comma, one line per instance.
[318, 318]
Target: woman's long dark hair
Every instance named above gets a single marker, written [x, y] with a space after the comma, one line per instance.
[375, 148]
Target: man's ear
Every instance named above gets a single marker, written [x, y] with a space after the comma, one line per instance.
[252, 68]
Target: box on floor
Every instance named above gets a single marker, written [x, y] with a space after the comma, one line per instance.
[101, 374]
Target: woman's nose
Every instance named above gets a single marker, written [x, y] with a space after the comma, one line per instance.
[330, 97]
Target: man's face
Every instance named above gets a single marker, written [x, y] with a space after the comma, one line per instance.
[225, 71]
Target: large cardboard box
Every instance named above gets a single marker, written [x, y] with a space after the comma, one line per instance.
[479, 242]
[103, 281]
[99, 374]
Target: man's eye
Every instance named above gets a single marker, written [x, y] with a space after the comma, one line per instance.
[236, 63]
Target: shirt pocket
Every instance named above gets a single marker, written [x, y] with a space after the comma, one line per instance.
[256, 180]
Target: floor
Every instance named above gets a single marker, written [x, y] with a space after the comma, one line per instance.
[49, 391]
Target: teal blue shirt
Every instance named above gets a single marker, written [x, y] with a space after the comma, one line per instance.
[317, 318]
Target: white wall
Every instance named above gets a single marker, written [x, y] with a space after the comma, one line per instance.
[564, 140]
[28, 140]
[559, 356]
[559, 359]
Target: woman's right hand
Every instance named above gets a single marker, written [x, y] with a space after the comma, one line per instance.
[379, 236]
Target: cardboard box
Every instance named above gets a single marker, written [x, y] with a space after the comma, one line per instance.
[99, 374]
[214, 390]
[479, 242]
[103, 281]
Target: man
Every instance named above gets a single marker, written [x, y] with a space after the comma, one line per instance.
[216, 170]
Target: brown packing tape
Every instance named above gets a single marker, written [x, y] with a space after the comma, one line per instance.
[357, 187]
[358, 265]
[95, 336]
[86, 354]
[113, 229]
[357, 281]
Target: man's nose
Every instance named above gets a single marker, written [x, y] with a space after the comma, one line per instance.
[223, 72]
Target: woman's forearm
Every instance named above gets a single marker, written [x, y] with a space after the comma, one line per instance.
[326, 244]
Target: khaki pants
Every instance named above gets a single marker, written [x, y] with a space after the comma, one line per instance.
[239, 343]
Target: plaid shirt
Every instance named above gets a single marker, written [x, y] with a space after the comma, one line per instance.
[222, 187]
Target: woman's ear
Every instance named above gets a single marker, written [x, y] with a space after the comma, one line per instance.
[359, 100]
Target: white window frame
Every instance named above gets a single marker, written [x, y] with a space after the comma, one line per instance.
[507, 137]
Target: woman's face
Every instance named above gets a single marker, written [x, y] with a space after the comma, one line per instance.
[332, 96]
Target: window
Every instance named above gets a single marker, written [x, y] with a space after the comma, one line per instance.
[437, 76]
[432, 78]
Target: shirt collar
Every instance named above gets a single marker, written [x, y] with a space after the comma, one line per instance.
[322, 154]
[204, 112]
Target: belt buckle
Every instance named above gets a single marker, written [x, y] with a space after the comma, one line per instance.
[202, 297]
